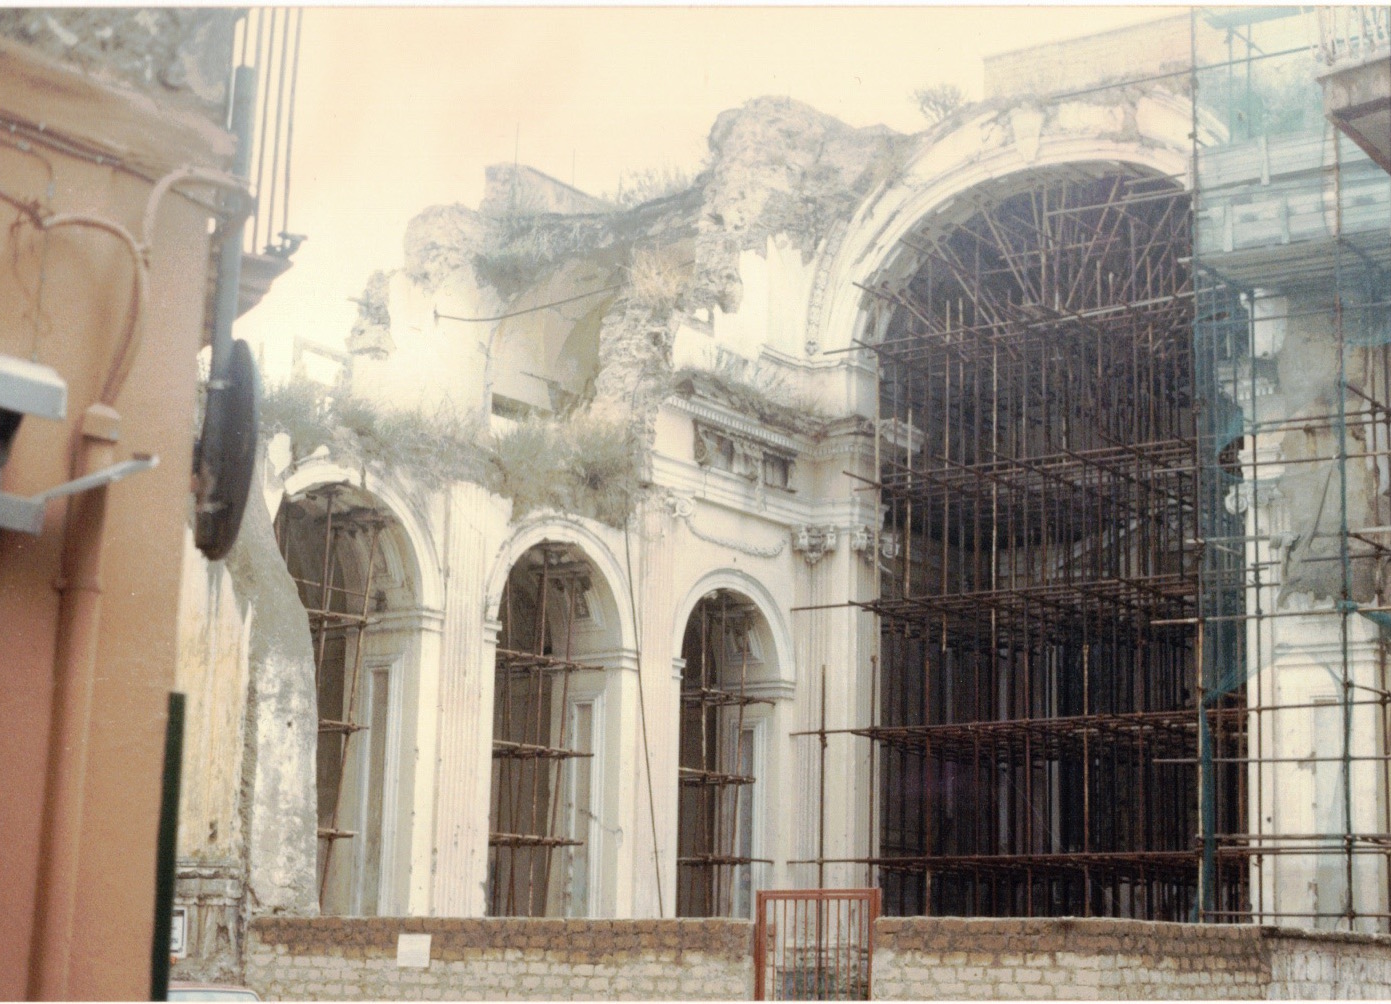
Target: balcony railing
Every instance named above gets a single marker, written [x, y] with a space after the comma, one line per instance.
[1354, 34]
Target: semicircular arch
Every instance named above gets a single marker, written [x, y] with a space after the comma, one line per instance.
[741, 582]
[552, 530]
[417, 556]
[1151, 134]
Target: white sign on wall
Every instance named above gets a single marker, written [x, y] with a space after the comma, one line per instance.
[178, 933]
[412, 951]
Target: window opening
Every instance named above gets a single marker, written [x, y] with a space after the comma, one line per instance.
[716, 813]
[533, 737]
[327, 541]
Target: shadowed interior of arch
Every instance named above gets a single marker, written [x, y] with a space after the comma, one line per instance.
[350, 559]
[558, 622]
[726, 649]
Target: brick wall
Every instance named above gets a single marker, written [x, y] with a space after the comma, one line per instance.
[928, 958]
[1328, 965]
[333, 958]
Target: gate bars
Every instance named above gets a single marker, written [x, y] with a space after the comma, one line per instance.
[814, 944]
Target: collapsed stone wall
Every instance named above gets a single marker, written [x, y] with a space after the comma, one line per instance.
[777, 169]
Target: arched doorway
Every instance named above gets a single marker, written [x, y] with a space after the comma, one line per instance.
[727, 649]
[354, 567]
[558, 626]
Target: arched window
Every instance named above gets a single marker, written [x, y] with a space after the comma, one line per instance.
[545, 838]
[726, 649]
[344, 549]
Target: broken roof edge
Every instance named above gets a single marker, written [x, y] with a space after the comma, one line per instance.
[510, 188]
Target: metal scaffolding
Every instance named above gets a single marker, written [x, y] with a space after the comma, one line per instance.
[338, 621]
[714, 856]
[1077, 709]
[1038, 462]
[1293, 234]
[530, 723]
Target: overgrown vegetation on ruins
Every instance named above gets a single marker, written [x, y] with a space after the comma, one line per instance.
[584, 464]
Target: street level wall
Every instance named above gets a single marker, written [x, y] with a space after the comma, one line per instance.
[1102, 959]
[338, 958]
[915, 958]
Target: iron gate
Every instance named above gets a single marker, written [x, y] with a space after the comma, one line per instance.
[814, 944]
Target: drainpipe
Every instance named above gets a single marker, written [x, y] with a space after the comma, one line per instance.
[79, 619]
[79, 616]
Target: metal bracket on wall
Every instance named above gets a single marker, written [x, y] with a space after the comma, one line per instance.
[26, 514]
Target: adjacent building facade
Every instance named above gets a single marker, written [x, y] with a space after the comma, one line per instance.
[118, 191]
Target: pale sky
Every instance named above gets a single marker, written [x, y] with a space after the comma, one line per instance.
[402, 108]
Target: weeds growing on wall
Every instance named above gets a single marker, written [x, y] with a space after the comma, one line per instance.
[433, 449]
[583, 465]
[656, 280]
[524, 245]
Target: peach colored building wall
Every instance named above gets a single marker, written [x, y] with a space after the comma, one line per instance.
[85, 278]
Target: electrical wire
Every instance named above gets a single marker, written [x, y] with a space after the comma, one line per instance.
[530, 310]
[128, 343]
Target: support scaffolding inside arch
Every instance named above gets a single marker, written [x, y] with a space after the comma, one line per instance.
[534, 745]
[717, 772]
[312, 544]
[1094, 694]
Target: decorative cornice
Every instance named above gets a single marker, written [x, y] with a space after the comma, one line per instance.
[771, 690]
[862, 542]
[729, 491]
[418, 619]
[732, 421]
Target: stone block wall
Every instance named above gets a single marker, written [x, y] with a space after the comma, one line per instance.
[336, 958]
[916, 958]
[985, 959]
[1328, 965]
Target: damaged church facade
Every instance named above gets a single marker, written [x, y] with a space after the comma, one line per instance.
[995, 515]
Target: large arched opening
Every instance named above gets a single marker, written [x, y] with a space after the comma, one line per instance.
[1037, 731]
[357, 574]
[728, 656]
[560, 631]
